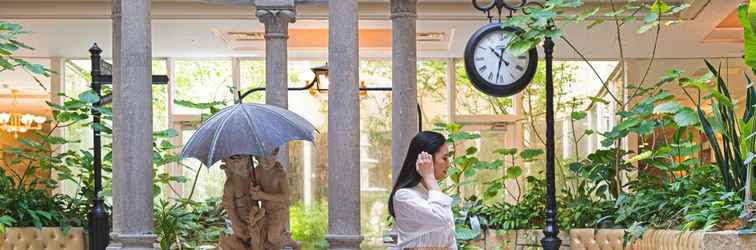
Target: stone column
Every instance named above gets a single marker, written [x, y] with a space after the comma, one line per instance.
[132, 127]
[403, 81]
[276, 15]
[343, 127]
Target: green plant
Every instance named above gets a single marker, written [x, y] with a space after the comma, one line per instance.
[9, 45]
[188, 224]
[309, 225]
[735, 153]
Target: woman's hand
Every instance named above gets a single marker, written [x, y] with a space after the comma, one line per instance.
[424, 165]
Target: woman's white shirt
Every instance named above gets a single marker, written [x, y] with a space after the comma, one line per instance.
[423, 218]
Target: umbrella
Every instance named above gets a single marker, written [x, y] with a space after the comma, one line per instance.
[246, 129]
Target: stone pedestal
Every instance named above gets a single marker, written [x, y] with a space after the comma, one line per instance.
[132, 126]
[404, 115]
[344, 127]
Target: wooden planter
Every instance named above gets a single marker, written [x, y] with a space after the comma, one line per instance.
[47, 238]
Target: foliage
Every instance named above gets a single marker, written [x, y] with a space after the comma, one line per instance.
[191, 225]
[10, 45]
[527, 214]
[735, 153]
[182, 222]
[25, 199]
[537, 21]
[309, 225]
[747, 16]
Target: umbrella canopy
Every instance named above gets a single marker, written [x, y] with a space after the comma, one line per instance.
[246, 129]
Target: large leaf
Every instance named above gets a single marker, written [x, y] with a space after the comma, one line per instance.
[747, 15]
[629, 123]
[667, 108]
[514, 172]
[530, 154]
[578, 115]
[686, 117]
[89, 97]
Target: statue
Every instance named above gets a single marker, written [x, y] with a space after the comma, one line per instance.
[272, 188]
[244, 213]
[255, 226]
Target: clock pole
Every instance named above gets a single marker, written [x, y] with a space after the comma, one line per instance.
[551, 239]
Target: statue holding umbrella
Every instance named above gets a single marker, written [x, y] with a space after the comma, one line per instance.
[238, 135]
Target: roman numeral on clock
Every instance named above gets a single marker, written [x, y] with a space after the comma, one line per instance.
[482, 68]
[518, 67]
[490, 76]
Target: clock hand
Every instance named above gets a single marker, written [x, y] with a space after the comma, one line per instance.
[501, 58]
[498, 70]
[494, 51]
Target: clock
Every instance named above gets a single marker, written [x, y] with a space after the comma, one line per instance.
[491, 69]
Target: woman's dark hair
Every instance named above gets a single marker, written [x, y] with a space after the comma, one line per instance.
[427, 141]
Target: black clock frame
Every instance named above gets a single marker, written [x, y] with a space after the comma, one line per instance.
[481, 83]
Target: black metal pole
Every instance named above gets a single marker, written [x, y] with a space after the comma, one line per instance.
[98, 217]
[551, 239]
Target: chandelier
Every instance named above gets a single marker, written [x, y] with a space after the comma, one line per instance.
[15, 122]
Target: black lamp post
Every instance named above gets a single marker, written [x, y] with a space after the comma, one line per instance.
[314, 86]
[98, 217]
[551, 239]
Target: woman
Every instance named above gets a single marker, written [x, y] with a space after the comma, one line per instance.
[422, 213]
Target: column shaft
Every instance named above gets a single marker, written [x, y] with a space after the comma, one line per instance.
[132, 126]
[404, 115]
[343, 127]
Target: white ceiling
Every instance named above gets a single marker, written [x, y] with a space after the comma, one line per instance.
[185, 28]
[68, 28]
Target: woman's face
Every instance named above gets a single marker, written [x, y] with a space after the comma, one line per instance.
[441, 162]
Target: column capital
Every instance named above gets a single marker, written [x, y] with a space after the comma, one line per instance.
[274, 4]
[276, 22]
[403, 9]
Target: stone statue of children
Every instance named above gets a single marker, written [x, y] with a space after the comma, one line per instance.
[243, 211]
[271, 186]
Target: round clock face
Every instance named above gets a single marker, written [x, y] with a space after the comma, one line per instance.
[491, 68]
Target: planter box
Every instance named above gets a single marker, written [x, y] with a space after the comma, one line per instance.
[48, 238]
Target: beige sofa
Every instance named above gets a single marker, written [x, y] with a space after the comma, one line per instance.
[48, 238]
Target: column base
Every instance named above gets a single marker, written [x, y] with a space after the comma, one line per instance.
[346, 242]
[132, 242]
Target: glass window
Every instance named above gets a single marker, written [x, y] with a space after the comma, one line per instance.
[202, 81]
[470, 101]
[252, 74]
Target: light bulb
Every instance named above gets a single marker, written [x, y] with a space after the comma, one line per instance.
[4, 118]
